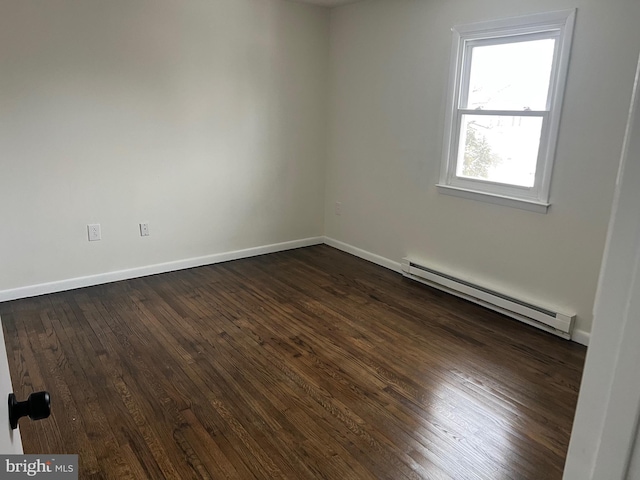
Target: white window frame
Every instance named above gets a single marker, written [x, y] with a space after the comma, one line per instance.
[557, 25]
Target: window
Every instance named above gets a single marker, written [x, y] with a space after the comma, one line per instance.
[503, 110]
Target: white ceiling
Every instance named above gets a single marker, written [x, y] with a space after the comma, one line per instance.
[327, 3]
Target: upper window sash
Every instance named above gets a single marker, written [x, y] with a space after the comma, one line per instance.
[467, 56]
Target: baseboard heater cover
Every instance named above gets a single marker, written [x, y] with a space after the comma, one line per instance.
[546, 319]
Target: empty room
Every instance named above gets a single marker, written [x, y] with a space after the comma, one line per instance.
[337, 239]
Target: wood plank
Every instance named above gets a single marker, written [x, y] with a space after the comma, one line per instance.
[303, 364]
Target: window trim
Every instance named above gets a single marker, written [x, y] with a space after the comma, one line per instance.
[551, 24]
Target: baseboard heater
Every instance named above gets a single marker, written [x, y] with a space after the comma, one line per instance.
[551, 321]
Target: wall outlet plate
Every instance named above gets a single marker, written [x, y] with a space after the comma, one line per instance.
[144, 229]
[94, 233]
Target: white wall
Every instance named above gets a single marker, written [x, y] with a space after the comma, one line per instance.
[205, 118]
[606, 420]
[389, 65]
[634, 467]
[208, 120]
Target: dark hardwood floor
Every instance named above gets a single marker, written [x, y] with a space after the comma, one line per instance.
[304, 364]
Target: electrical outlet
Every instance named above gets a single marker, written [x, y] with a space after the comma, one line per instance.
[94, 232]
[338, 208]
[144, 229]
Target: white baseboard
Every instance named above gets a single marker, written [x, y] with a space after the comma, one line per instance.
[578, 336]
[90, 280]
[358, 252]
[581, 337]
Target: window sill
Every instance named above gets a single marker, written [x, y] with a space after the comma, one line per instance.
[530, 205]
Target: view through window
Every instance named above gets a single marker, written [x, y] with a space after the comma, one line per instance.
[513, 76]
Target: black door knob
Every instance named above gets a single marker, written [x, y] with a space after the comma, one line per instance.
[37, 407]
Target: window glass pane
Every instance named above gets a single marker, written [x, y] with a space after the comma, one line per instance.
[511, 76]
[502, 149]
